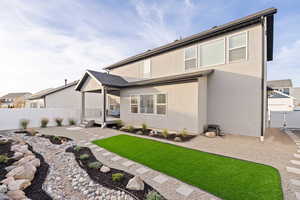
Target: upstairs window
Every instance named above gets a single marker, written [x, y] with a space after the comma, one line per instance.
[161, 104]
[134, 107]
[286, 91]
[147, 69]
[212, 53]
[147, 104]
[237, 47]
[190, 58]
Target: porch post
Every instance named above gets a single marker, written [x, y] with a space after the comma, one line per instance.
[103, 106]
[82, 106]
[202, 104]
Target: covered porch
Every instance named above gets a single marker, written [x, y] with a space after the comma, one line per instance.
[107, 86]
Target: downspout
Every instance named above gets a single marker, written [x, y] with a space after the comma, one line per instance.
[263, 78]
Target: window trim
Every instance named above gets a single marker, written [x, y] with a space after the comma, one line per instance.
[138, 104]
[207, 43]
[196, 57]
[161, 104]
[154, 105]
[150, 73]
[228, 49]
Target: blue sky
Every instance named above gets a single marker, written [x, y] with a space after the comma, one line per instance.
[44, 42]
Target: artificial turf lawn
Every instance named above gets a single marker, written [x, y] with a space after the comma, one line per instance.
[225, 177]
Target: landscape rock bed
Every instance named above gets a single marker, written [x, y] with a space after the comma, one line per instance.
[105, 179]
[177, 137]
[56, 139]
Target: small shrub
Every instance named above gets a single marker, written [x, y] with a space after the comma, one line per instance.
[58, 121]
[24, 123]
[183, 133]
[72, 122]
[165, 133]
[84, 156]
[77, 148]
[56, 137]
[3, 159]
[44, 122]
[95, 165]
[144, 127]
[130, 128]
[117, 177]
[119, 123]
[152, 195]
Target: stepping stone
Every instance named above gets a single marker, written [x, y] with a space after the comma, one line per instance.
[295, 182]
[128, 163]
[116, 158]
[295, 162]
[296, 155]
[184, 190]
[142, 170]
[160, 179]
[297, 195]
[293, 170]
[106, 154]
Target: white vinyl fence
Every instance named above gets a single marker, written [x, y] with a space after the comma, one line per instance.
[10, 118]
[290, 119]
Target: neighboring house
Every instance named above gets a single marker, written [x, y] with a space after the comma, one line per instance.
[285, 86]
[213, 77]
[14, 100]
[65, 96]
[279, 101]
[296, 94]
[36, 100]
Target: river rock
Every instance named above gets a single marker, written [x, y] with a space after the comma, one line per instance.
[210, 134]
[3, 189]
[4, 197]
[136, 183]
[105, 169]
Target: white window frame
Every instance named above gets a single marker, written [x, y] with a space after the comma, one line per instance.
[228, 49]
[196, 57]
[138, 104]
[208, 43]
[161, 104]
[149, 74]
[155, 103]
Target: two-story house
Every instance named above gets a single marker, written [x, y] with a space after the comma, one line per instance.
[214, 77]
[14, 100]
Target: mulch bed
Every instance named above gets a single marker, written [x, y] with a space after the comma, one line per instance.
[105, 179]
[171, 136]
[35, 191]
[56, 139]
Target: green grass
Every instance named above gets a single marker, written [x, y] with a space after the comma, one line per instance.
[224, 177]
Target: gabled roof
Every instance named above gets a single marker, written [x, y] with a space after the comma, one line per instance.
[218, 30]
[39, 94]
[280, 83]
[50, 91]
[115, 81]
[15, 95]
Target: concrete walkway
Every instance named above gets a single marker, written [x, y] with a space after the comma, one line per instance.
[277, 150]
[169, 187]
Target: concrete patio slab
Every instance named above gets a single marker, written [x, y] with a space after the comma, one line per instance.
[295, 162]
[142, 170]
[295, 182]
[293, 170]
[128, 163]
[184, 190]
[160, 179]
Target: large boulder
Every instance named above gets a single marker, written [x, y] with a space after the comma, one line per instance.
[17, 155]
[24, 160]
[8, 180]
[11, 167]
[3, 140]
[35, 162]
[20, 184]
[31, 131]
[16, 195]
[22, 148]
[25, 171]
[136, 183]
